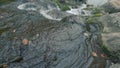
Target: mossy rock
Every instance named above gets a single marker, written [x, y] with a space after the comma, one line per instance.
[64, 8]
[98, 14]
[92, 19]
[106, 50]
[113, 56]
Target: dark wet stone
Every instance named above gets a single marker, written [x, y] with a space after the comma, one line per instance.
[52, 44]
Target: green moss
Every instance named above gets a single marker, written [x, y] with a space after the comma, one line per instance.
[5, 1]
[61, 6]
[64, 8]
[98, 14]
[106, 50]
[91, 20]
[114, 56]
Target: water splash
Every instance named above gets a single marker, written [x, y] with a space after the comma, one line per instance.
[38, 8]
[57, 15]
[80, 10]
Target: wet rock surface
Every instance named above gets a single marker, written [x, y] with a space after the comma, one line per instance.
[49, 44]
[115, 66]
[112, 6]
[111, 36]
[111, 31]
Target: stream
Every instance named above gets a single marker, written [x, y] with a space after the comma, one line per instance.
[46, 12]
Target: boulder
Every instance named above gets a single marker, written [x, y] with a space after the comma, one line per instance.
[112, 6]
[49, 43]
[111, 34]
[111, 30]
[115, 66]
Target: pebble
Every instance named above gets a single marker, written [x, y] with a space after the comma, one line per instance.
[25, 41]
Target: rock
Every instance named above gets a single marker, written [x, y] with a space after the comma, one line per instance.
[57, 14]
[112, 6]
[112, 40]
[111, 22]
[53, 44]
[96, 3]
[115, 66]
[111, 31]
[111, 35]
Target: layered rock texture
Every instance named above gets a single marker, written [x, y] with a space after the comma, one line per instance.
[30, 40]
[112, 6]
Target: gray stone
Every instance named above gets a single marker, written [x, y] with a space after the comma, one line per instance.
[115, 66]
[111, 31]
[111, 35]
[112, 6]
[52, 44]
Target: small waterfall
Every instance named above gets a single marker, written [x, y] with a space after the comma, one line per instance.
[49, 10]
[31, 6]
[79, 11]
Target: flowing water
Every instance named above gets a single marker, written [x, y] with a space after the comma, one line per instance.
[80, 11]
[36, 7]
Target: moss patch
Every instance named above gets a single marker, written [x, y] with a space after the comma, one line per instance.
[97, 12]
[113, 56]
[91, 20]
[106, 50]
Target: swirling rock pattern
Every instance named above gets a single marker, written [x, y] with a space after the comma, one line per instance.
[51, 44]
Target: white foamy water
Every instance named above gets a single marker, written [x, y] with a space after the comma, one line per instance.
[42, 10]
[79, 11]
[33, 7]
